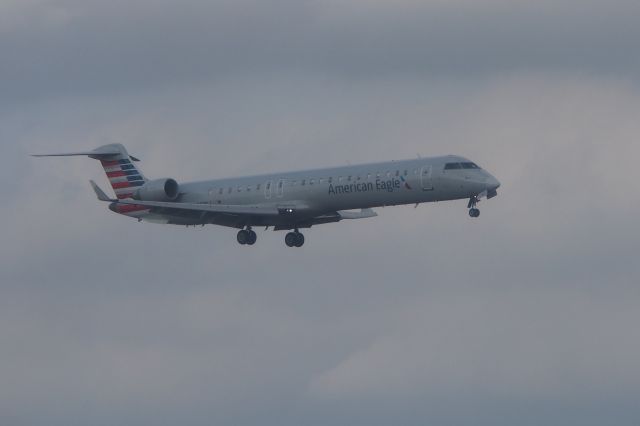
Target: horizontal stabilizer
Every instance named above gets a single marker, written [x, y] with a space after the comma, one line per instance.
[73, 154]
[105, 152]
[99, 192]
[362, 214]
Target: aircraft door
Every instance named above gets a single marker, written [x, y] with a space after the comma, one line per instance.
[280, 188]
[425, 178]
[267, 189]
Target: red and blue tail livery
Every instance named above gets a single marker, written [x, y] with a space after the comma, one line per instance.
[124, 177]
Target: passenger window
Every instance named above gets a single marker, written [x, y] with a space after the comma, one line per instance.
[239, 189]
[303, 182]
[397, 173]
[349, 179]
[330, 179]
[452, 166]
[229, 191]
[311, 181]
[368, 176]
[258, 187]
[220, 191]
[339, 178]
[406, 172]
[388, 174]
[320, 180]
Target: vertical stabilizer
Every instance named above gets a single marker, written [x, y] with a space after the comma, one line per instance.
[121, 171]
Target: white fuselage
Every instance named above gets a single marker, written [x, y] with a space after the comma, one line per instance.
[326, 191]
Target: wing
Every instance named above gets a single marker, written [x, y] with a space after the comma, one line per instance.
[244, 209]
[250, 209]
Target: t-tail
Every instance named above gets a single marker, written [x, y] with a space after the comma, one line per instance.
[119, 166]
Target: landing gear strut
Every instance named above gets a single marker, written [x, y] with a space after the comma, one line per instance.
[247, 236]
[294, 239]
[473, 210]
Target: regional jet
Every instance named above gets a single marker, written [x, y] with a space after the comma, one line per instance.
[287, 201]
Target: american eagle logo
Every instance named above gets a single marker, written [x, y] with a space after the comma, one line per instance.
[406, 184]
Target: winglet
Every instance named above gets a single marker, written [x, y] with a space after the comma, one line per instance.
[99, 192]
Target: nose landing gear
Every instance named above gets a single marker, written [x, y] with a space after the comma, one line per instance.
[247, 236]
[473, 210]
[294, 239]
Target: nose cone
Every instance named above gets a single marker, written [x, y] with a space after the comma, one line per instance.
[493, 183]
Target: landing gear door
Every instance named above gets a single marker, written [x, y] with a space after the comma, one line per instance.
[425, 178]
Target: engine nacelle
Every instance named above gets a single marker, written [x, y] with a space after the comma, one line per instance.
[158, 190]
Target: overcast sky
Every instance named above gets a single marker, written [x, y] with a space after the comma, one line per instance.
[528, 315]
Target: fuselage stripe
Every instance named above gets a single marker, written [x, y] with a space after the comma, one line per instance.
[130, 208]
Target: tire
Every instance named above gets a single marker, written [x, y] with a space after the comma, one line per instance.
[243, 237]
[299, 239]
[252, 238]
[290, 239]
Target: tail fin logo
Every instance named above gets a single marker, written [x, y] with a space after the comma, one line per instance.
[123, 176]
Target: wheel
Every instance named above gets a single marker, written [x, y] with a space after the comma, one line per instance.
[290, 239]
[474, 212]
[252, 238]
[243, 237]
[299, 239]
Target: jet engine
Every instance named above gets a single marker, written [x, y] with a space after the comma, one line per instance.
[158, 190]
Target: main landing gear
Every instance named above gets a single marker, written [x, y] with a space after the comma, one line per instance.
[473, 210]
[247, 236]
[294, 239]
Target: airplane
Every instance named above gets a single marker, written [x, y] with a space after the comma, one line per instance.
[287, 201]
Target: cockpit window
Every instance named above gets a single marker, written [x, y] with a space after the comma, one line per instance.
[469, 166]
[452, 166]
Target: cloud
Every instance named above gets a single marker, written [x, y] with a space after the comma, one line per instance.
[416, 315]
[72, 47]
[533, 302]
[526, 344]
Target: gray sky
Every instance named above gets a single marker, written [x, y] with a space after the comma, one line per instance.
[420, 316]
